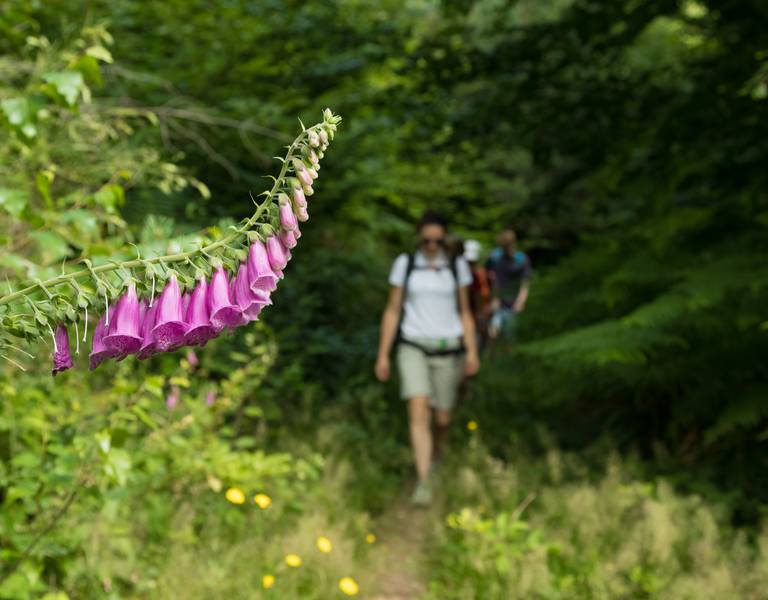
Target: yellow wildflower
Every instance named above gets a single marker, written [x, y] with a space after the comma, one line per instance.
[293, 560]
[324, 544]
[472, 425]
[349, 586]
[262, 500]
[370, 538]
[235, 495]
[267, 581]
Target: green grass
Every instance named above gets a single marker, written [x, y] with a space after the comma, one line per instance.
[546, 527]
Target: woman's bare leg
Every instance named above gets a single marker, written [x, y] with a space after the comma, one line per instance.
[421, 434]
[442, 423]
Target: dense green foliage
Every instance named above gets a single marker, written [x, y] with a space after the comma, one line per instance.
[625, 140]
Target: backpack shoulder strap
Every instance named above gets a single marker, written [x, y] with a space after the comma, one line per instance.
[408, 270]
[455, 273]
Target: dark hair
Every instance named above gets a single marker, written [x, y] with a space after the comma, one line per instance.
[454, 245]
[431, 218]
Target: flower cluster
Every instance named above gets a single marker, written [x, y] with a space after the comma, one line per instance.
[221, 299]
[292, 560]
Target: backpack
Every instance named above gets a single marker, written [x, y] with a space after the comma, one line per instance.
[399, 339]
[498, 254]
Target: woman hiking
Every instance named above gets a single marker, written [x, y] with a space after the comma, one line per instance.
[429, 319]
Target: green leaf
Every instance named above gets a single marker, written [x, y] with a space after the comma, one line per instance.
[51, 246]
[144, 417]
[89, 67]
[16, 110]
[18, 264]
[68, 84]
[200, 187]
[21, 114]
[13, 201]
[82, 226]
[43, 182]
[100, 53]
[118, 465]
[110, 197]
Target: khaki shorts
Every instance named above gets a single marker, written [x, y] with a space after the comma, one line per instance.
[437, 377]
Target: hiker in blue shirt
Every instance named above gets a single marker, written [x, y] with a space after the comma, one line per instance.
[509, 271]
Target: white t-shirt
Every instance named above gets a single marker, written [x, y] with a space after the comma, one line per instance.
[431, 305]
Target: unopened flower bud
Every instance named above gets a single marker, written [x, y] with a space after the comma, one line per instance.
[172, 400]
[287, 217]
[278, 256]
[298, 197]
[301, 172]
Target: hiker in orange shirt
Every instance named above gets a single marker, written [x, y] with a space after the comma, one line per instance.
[479, 291]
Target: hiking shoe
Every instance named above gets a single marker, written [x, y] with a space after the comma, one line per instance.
[422, 495]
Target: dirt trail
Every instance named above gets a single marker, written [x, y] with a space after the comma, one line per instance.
[398, 560]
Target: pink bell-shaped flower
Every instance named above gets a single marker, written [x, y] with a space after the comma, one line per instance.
[197, 317]
[260, 274]
[288, 239]
[124, 337]
[147, 348]
[99, 352]
[62, 359]
[250, 303]
[170, 327]
[224, 312]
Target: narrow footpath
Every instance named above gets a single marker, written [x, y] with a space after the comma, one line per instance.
[398, 561]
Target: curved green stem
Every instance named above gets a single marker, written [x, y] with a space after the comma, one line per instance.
[170, 258]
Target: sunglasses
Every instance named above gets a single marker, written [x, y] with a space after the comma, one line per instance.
[427, 241]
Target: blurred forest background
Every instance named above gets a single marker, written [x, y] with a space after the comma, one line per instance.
[621, 443]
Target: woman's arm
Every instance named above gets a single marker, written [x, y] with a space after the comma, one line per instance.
[389, 323]
[522, 296]
[472, 363]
